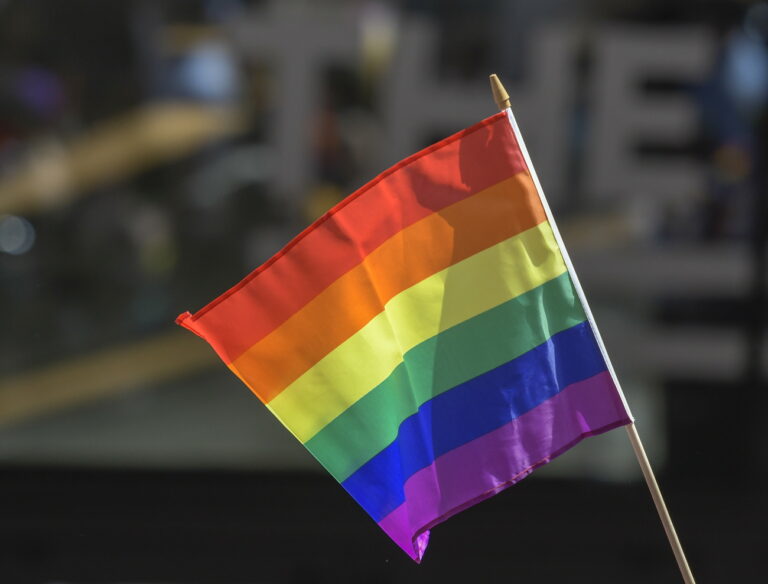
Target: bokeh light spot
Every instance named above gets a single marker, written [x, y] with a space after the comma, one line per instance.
[17, 236]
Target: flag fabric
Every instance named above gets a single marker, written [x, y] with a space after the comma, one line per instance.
[425, 339]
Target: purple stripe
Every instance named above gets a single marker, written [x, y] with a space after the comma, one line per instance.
[487, 465]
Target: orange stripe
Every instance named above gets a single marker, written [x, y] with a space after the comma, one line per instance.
[418, 251]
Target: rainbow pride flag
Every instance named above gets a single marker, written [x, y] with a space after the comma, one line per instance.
[425, 339]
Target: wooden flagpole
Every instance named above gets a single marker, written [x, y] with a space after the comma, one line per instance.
[658, 500]
[501, 97]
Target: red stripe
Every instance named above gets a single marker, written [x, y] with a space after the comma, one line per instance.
[449, 171]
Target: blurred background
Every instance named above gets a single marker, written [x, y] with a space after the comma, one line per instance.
[153, 152]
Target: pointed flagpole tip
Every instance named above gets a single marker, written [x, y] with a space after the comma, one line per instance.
[500, 95]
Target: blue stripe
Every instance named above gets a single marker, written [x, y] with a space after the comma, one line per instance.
[472, 409]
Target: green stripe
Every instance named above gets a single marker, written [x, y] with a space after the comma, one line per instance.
[448, 359]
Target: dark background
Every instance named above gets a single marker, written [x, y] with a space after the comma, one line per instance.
[152, 153]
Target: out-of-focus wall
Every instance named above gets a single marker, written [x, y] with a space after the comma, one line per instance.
[152, 155]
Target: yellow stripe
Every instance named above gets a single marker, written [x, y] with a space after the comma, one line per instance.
[443, 300]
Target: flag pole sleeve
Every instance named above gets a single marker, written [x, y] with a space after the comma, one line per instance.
[504, 97]
[501, 97]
